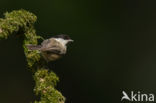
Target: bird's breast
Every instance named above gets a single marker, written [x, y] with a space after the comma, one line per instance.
[51, 57]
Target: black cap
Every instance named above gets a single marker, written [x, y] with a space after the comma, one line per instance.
[63, 36]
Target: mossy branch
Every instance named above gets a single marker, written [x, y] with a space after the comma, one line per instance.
[21, 22]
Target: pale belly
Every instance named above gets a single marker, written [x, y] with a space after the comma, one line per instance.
[51, 57]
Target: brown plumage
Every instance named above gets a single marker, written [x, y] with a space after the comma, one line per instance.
[51, 49]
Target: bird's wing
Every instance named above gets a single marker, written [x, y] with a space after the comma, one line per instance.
[45, 42]
[52, 46]
[49, 43]
[54, 50]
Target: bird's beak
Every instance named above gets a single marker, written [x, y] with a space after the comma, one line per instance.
[70, 40]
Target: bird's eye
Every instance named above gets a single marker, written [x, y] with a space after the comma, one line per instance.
[67, 37]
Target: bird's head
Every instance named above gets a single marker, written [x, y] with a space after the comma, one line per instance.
[64, 39]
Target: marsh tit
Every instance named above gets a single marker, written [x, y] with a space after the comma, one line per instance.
[52, 48]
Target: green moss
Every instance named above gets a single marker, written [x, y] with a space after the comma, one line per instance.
[21, 22]
[45, 83]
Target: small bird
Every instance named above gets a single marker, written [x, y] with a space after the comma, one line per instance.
[52, 48]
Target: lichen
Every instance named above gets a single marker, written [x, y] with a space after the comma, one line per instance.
[21, 22]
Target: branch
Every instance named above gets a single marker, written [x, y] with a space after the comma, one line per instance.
[21, 22]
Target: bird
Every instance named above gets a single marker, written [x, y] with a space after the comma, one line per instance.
[52, 48]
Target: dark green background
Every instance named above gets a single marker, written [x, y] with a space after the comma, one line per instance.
[114, 49]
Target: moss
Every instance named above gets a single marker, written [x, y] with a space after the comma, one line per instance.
[45, 83]
[21, 22]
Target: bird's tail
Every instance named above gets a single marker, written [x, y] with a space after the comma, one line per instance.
[33, 47]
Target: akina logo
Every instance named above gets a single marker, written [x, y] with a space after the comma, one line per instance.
[137, 96]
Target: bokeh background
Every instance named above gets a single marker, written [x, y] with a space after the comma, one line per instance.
[114, 49]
